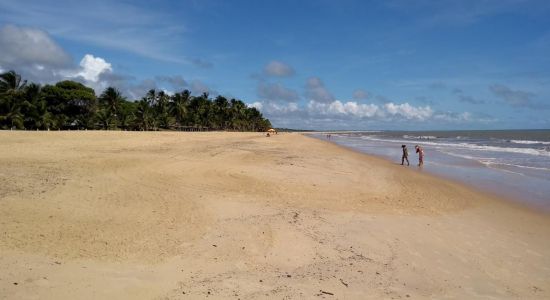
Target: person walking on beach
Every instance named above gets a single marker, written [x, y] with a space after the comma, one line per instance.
[405, 156]
[420, 152]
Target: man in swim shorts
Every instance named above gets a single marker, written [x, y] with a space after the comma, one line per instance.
[405, 156]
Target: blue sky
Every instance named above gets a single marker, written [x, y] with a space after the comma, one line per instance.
[304, 64]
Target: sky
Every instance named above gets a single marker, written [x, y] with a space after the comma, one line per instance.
[357, 65]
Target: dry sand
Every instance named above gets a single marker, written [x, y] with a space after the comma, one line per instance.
[149, 215]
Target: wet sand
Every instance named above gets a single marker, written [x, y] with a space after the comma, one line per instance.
[525, 186]
[155, 215]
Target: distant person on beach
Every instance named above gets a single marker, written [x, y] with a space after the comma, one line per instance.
[405, 156]
[420, 152]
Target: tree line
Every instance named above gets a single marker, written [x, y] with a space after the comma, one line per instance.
[72, 105]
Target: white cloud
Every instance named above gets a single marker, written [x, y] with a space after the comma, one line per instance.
[409, 112]
[150, 32]
[351, 109]
[92, 66]
[257, 105]
[453, 117]
[29, 47]
[35, 55]
[278, 108]
[351, 114]
[387, 111]
[278, 69]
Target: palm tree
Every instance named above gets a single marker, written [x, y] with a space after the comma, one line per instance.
[237, 114]
[151, 97]
[203, 111]
[69, 104]
[10, 115]
[11, 82]
[253, 118]
[179, 104]
[43, 119]
[143, 115]
[126, 114]
[162, 101]
[161, 109]
[111, 100]
[35, 108]
[11, 100]
[105, 118]
[221, 112]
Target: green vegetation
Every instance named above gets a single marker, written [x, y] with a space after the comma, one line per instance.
[72, 105]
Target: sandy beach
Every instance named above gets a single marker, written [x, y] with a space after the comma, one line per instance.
[170, 215]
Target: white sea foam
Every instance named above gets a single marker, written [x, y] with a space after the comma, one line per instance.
[420, 137]
[525, 167]
[469, 146]
[527, 142]
[494, 162]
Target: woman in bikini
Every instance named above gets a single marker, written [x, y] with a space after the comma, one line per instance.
[420, 152]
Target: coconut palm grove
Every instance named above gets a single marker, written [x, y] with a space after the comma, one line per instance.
[72, 105]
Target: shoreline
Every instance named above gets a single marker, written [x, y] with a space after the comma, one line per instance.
[515, 200]
[149, 215]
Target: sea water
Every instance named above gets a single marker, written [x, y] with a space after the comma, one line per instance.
[511, 163]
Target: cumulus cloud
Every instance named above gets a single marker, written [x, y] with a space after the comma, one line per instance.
[360, 94]
[146, 31]
[278, 69]
[516, 98]
[276, 92]
[92, 66]
[350, 109]
[32, 53]
[37, 57]
[408, 111]
[387, 112]
[453, 117]
[316, 91]
[29, 47]
[258, 105]
[280, 108]
[353, 114]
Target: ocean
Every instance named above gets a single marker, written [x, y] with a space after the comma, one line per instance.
[510, 163]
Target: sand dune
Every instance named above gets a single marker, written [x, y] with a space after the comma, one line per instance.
[155, 215]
